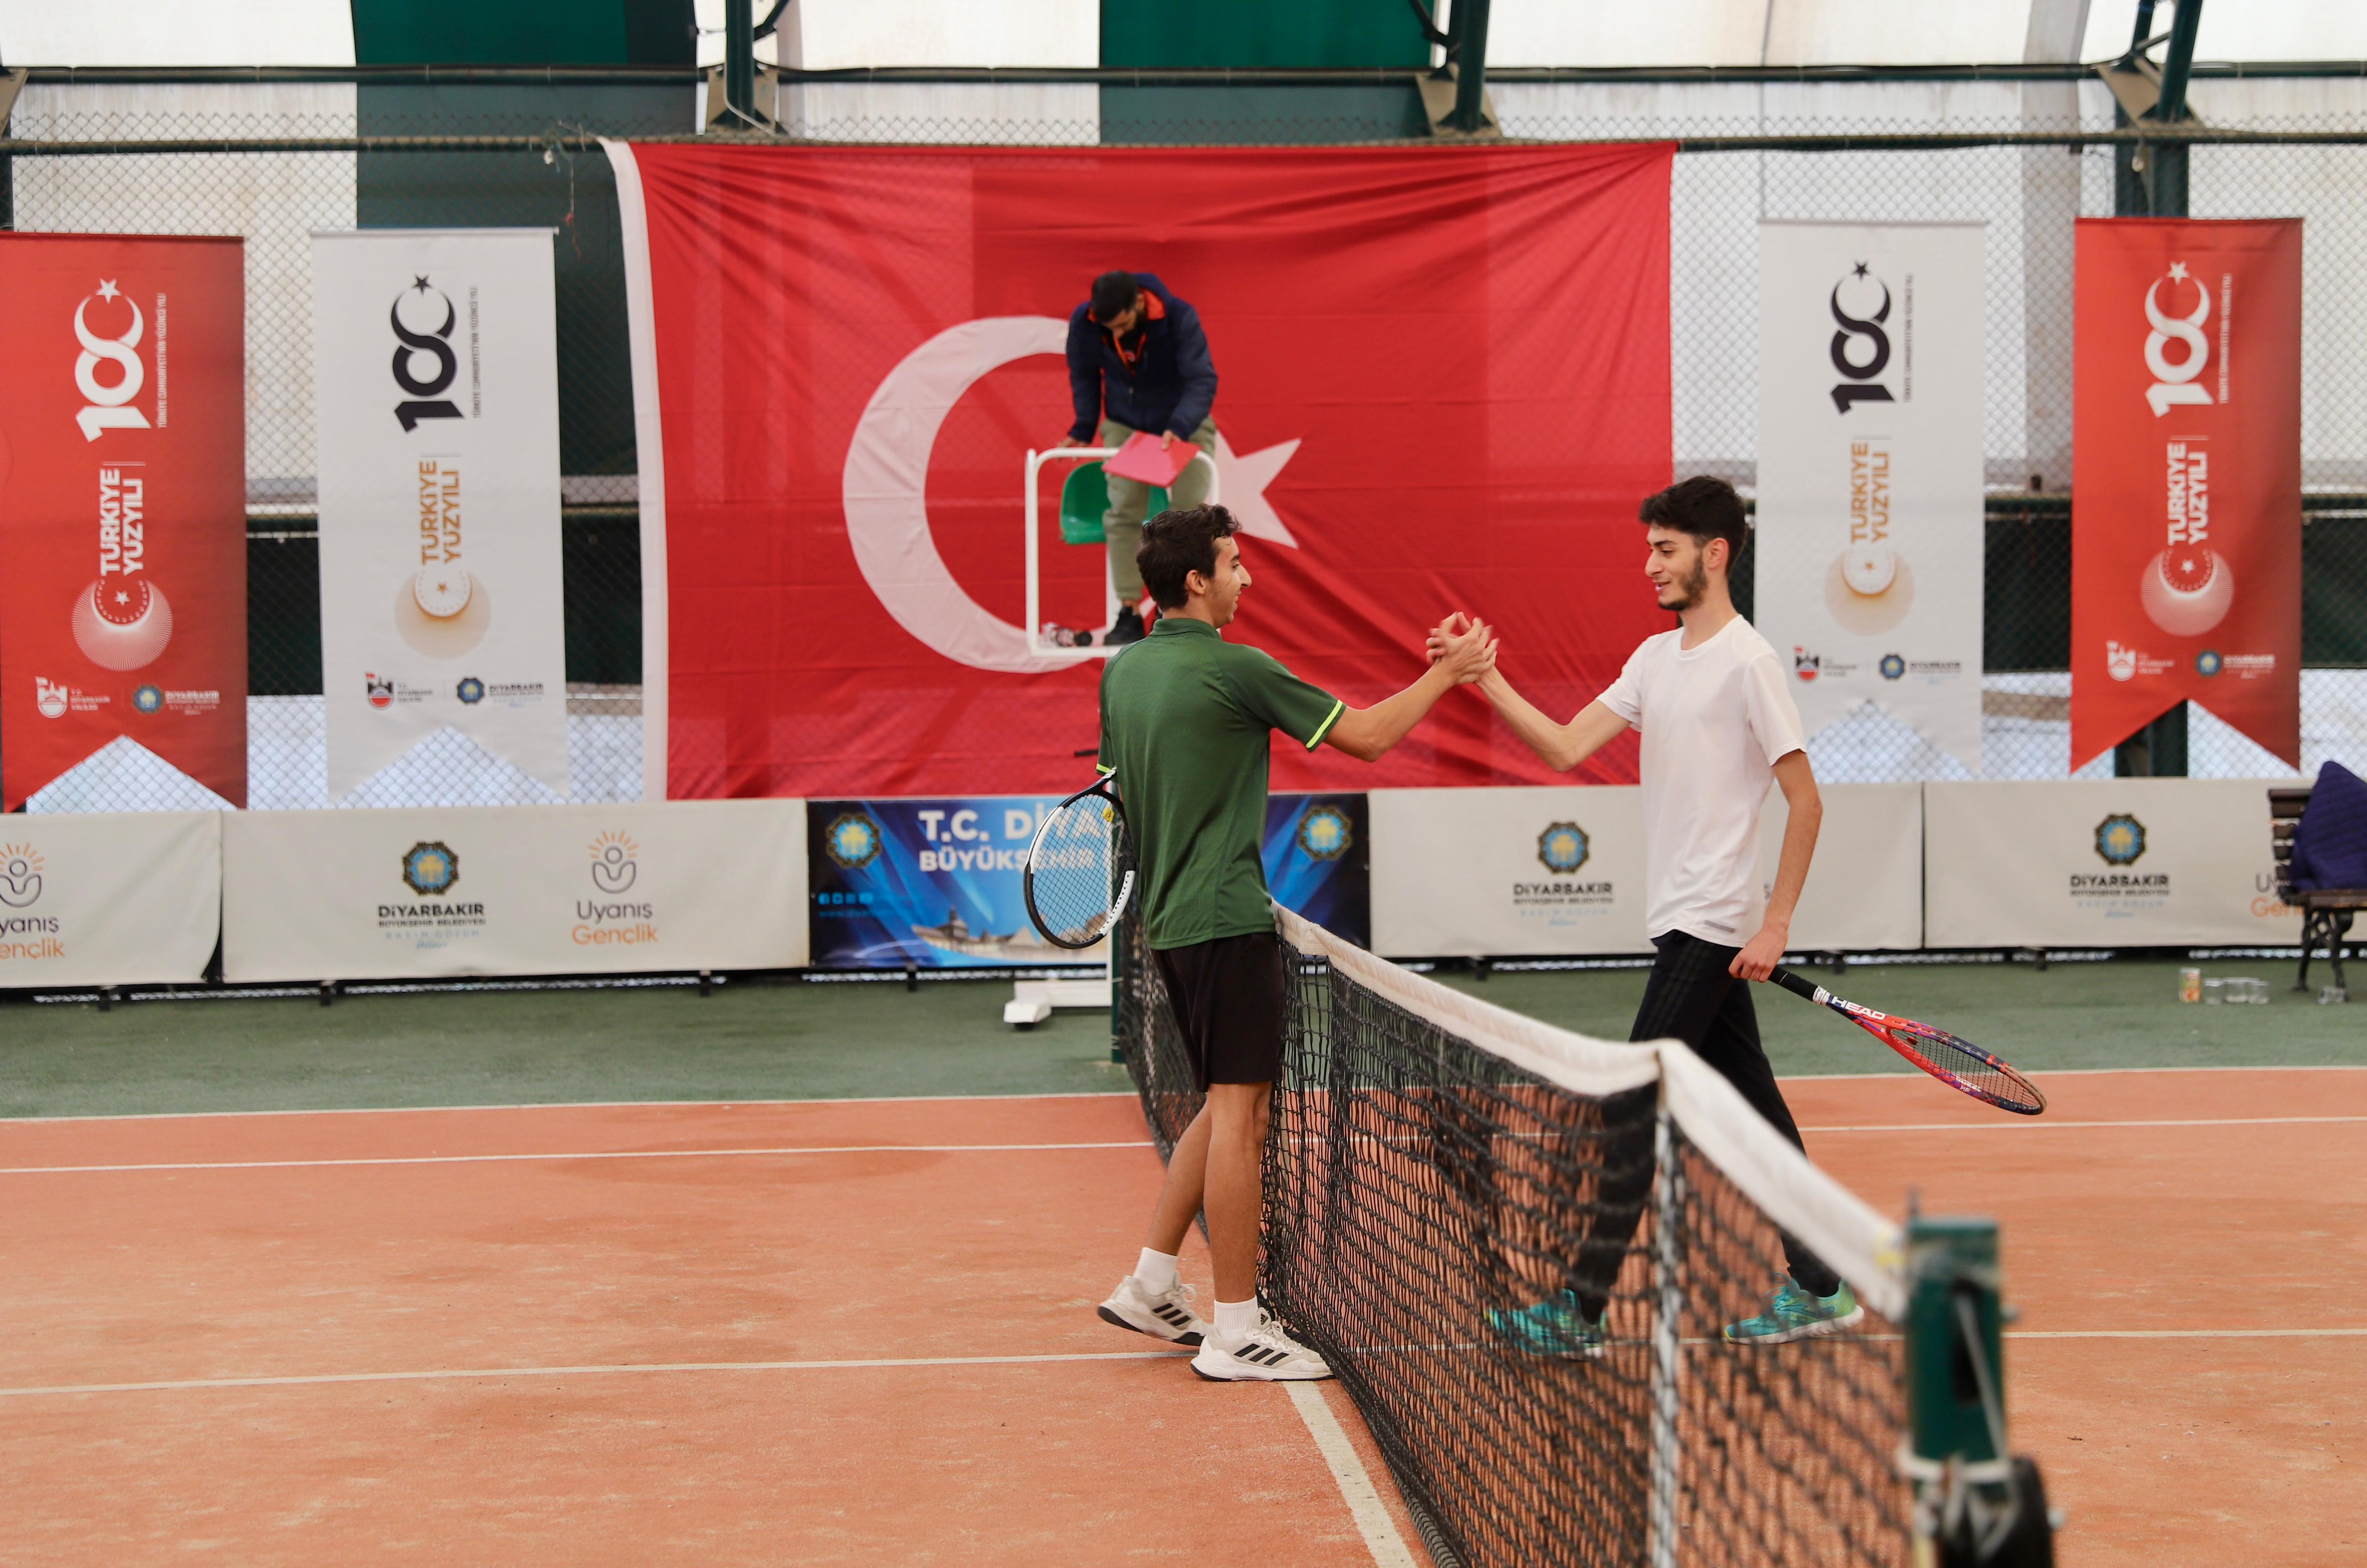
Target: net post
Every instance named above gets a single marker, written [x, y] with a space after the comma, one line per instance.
[1968, 1485]
[1667, 1334]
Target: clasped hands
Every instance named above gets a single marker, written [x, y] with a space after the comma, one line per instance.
[1464, 646]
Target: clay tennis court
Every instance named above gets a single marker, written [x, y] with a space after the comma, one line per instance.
[862, 1331]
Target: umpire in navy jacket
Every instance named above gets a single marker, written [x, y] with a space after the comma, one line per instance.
[1138, 361]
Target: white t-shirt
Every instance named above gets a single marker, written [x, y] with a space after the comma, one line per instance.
[1714, 720]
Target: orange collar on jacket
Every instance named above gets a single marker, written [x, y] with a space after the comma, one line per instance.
[1154, 309]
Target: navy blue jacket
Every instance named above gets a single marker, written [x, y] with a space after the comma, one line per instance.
[1170, 385]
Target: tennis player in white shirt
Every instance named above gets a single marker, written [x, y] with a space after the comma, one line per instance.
[1719, 727]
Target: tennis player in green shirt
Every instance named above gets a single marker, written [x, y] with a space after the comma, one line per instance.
[1186, 725]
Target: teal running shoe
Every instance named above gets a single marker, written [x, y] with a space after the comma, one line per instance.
[1555, 1326]
[1792, 1313]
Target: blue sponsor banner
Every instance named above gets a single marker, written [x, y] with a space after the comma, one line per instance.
[1317, 862]
[937, 883]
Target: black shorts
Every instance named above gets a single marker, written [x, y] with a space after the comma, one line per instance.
[1227, 995]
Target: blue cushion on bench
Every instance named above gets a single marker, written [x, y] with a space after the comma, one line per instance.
[2330, 843]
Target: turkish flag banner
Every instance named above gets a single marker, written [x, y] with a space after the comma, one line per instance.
[123, 505]
[1442, 385]
[2186, 497]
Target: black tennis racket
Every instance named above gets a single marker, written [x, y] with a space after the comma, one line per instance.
[1080, 868]
[1959, 1063]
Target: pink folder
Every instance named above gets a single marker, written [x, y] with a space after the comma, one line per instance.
[1144, 459]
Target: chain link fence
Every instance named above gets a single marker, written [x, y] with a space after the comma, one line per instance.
[2027, 195]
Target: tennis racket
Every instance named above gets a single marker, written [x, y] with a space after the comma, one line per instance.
[1959, 1063]
[1080, 868]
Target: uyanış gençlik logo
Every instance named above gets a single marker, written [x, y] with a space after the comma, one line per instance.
[615, 864]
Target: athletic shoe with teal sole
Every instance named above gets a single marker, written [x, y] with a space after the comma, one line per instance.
[1792, 1313]
[1555, 1326]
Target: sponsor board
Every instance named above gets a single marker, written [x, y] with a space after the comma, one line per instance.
[440, 575]
[514, 890]
[1865, 886]
[109, 899]
[1870, 539]
[1560, 871]
[1486, 871]
[939, 883]
[2123, 863]
[122, 505]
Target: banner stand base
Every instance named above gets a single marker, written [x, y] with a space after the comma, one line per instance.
[1032, 1001]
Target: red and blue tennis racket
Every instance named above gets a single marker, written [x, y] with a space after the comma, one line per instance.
[1959, 1063]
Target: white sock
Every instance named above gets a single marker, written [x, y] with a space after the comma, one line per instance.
[1237, 1320]
[1156, 1271]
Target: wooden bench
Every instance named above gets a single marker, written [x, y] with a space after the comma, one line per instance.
[2325, 912]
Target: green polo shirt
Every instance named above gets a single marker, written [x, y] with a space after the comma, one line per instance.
[1185, 717]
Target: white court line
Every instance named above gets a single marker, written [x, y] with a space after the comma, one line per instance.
[614, 1369]
[563, 1154]
[444, 1376]
[1356, 1489]
[1031, 1148]
[2041, 1122]
[575, 1105]
[2187, 1333]
[1906, 1073]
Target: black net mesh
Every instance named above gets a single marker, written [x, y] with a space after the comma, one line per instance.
[1420, 1187]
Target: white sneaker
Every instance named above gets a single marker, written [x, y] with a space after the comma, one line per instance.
[1265, 1355]
[1167, 1316]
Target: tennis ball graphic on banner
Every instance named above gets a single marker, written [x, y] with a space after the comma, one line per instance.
[442, 611]
[2186, 591]
[1869, 588]
[122, 623]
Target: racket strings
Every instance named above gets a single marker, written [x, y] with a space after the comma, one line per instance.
[1963, 1065]
[1078, 870]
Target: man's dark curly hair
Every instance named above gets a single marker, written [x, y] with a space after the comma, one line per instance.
[1177, 543]
[1704, 507]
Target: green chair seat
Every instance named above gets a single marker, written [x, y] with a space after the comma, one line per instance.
[1084, 496]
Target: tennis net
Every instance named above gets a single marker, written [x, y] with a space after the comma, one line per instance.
[1437, 1164]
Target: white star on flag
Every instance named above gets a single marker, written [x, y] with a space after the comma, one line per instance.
[106, 289]
[2177, 272]
[1241, 478]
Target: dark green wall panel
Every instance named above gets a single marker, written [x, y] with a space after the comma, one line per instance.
[1302, 33]
[524, 32]
[1261, 115]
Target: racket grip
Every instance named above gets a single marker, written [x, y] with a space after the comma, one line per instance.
[1794, 983]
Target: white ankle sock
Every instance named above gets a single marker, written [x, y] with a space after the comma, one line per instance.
[1237, 1320]
[1156, 1271]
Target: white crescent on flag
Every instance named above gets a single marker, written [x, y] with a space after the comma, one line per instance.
[884, 487]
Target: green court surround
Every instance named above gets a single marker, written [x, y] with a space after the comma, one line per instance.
[788, 1040]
